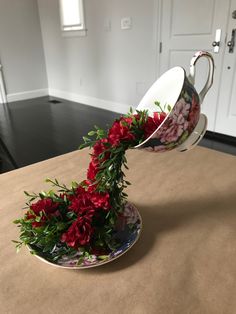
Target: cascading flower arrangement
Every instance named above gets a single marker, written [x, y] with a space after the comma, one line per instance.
[83, 219]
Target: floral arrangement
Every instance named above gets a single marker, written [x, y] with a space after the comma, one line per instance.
[83, 218]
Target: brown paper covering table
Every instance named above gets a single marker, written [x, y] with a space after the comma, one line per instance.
[184, 261]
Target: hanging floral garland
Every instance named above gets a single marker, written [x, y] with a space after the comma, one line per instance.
[83, 217]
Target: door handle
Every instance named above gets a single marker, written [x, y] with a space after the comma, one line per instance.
[231, 43]
[216, 42]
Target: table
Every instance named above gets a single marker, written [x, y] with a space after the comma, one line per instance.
[184, 261]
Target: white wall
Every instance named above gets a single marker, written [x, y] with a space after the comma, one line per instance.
[116, 66]
[21, 50]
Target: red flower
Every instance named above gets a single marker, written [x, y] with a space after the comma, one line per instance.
[100, 146]
[66, 196]
[92, 170]
[127, 120]
[87, 186]
[137, 116]
[45, 208]
[89, 200]
[159, 117]
[35, 224]
[119, 132]
[82, 205]
[100, 200]
[153, 123]
[79, 233]
[149, 127]
[45, 205]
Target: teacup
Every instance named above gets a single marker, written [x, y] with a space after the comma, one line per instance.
[184, 125]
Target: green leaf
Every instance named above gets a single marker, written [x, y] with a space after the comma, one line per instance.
[86, 139]
[103, 257]
[14, 241]
[42, 195]
[91, 133]
[74, 184]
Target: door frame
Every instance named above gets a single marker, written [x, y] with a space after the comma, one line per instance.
[218, 78]
[3, 94]
[157, 34]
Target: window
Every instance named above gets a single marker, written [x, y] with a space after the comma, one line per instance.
[72, 15]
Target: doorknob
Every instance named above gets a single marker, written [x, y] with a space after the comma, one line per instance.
[231, 43]
[216, 42]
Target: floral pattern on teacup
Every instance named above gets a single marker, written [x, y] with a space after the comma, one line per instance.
[179, 124]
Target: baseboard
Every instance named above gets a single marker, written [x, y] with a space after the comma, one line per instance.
[90, 101]
[226, 139]
[27, 95]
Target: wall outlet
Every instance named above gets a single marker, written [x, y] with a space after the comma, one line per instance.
[126, 22]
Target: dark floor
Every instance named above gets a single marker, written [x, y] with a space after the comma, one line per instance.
[37, 129]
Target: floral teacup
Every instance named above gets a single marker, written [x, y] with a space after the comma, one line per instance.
[184, 125]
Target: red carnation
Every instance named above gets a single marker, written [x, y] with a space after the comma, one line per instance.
[45, 208]
[99, 147]
[149, 127]
[153, 123]
[119, 132]
[127, 120]
[92, 170]
[159, 117]
[100, 200]
[45, 205]
[82, 205]
[79, 233]
[89, 200]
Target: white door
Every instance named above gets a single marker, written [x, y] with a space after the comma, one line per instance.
[226, 113]
[188, 26]
[3, 97]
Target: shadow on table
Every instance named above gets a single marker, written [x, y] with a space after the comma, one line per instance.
[159, 219]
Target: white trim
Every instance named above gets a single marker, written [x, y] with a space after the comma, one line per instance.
[3, 97]
[157, 32]
[79, 33]
[90, 101]
[27, 94]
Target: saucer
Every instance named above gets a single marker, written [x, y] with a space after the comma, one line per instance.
[128, 233]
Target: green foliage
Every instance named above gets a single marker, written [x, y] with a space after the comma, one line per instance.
[96, 134]
[46, 238]
[111, 176]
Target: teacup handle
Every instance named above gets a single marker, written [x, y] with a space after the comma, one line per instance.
[191, 76]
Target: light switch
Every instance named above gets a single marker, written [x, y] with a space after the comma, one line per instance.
[107, 25]
[126, 22]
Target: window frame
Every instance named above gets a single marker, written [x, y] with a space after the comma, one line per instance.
[73, 30]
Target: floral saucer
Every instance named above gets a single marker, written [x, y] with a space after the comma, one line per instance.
[127, 233]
